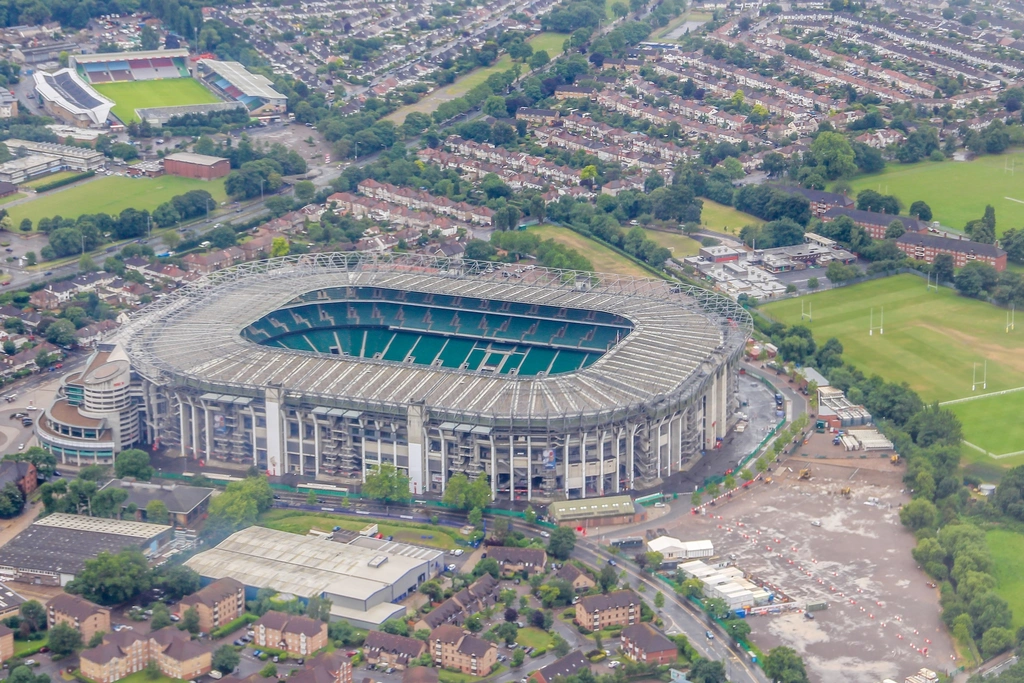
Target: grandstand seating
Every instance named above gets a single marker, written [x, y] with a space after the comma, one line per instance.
[71, 91]
[146, 69]
[499, 336]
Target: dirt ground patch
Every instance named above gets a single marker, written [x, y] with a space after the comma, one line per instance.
[881, 611]
[997, 352]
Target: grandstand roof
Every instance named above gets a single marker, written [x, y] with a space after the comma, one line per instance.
[66, 89]
[680, 337]
[251, 85]
[122, 56]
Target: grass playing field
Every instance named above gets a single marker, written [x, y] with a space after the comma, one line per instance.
[131, 95]
[111, 194]
[931, 341]
[1007, 548]
[957, 191]
[288, 520]
[603, 259]
[725, 219]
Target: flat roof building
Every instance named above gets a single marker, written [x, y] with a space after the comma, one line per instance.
[54, 549]
[200, 166]
[596, 511]
[364, 579]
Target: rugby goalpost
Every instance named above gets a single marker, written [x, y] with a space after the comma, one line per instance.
[881, 322]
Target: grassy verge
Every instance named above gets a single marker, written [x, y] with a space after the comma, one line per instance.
[680, 245]
[725, 219]
[533, 637]
[46, 180]
[297, 522]
[603, 259]
[24, 648]
[1007, 547]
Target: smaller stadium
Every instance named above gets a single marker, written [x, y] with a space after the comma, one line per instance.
[132, 66]
[235, 83]
[66, 96]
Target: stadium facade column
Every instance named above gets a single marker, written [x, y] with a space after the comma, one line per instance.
[618, 459]
[417, 466]
[444, 460]
[302, 456]
[182, 426]
[494, 468]
[565, 458]
[195, 427]
[255, 453]
[600, 455]
[529, 468]
[583, 465]
[711, 406]
[631, 452]
[317, 445]
[272, 399]
[723, 406]
[206, 427]
[675, 439]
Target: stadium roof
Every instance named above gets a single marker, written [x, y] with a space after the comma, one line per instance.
[305, 565]
[67, 90]
[681, 335]
[252, 85]
[103, 57]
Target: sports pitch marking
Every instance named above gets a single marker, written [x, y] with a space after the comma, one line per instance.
[991, 454]
[975, 398]
[1013, 200]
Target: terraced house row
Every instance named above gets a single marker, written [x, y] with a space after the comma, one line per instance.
[418, 199]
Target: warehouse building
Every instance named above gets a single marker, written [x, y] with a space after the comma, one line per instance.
[592, 512]
[364, 579]
[727, 583]
[201, 166]
[675, 551]
[53, 550]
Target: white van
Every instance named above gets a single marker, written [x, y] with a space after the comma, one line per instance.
[215, 674]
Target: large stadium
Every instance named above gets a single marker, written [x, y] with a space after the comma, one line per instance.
[552, 383]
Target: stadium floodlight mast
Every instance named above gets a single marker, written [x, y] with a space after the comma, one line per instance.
[881, 322]
[808, 313]
[984, 377]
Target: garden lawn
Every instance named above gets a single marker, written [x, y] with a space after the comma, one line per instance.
[680, 245]
[110, 194]
[131, 95]
[11, 197]
[302, 523]
[931, 341]
[604, 259]
[1007, 547]
[533, 637]
[141, 677]
[23, 648]
[725, 219]
[957, 191]
[552, 42]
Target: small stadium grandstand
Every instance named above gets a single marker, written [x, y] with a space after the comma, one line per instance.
[66, 96]
[118, 67]
[232, 79]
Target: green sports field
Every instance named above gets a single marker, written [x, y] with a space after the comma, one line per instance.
[1007, 547]
[131, 95]
[957, 191]
[931, 341]
[111, 194]
[725, 219]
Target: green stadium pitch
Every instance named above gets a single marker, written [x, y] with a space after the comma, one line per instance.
[169, 92]
[937, 342]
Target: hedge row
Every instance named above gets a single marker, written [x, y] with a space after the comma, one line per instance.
[46, 187]
[233, 625]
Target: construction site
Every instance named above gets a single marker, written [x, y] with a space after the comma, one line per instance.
[822, 530]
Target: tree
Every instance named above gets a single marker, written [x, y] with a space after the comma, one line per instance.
[659, 600]
[834, 152]
[269, 671]
[495, 106]
[921, 210]
[64, 639]
[995, 641]
[279, 247]
[739, 629]
[190, 621]
[176, 580]
[12, 501]
[895, 230]
[588, 174]
[507, 631]
[942, 268]
[475, 517]
[225, 659]
[387, 484]
[110, 579]
[707, 671]
[33, 614]
[157, 513]
[238, 506]
[161, 616]
[539, 59]
[784, 665]
[488, 565]
[97, 639]
[305, 191]
[608, 578]
[975, 278]
[518, 657]
[61, 333]
[462, 494]
[133, 463]
[561, 543]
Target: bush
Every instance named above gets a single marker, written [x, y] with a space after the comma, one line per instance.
[232, 626]
[46, 187]
[538, 652]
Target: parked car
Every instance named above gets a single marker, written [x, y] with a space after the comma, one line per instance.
[545, 534]
[613, 562]
[710, 635]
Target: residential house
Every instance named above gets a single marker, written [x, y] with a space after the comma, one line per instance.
[479, 595]
[44, 300]
[452, 648]
[297, 635]
[6, 643]
[64, 291]
[27, 359]
[92, 333]
[594, 612]
[10, 605]
[126, 652]
[218, 603]
[820, 201]
[21, 474]
[86, 617]
[329, 667]
[545, 117]
[389, 649]
[420, 674]
[531, 560]
[644, 643]
[566, 92]
[925, 247]
[580, 580]
[568, 665]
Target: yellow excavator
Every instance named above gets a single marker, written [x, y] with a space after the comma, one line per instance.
[845, 492]
[805, 474]
[894, 459]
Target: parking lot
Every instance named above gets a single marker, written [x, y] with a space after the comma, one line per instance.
[814, 544]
